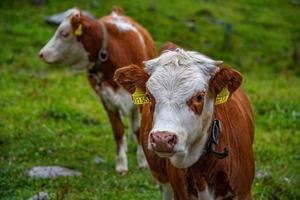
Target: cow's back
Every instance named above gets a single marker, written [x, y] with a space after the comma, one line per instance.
[130, 44]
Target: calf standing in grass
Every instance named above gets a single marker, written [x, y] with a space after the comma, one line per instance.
[102, 46]
[197, 128]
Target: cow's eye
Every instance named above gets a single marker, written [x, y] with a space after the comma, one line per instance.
[64, 34]
[199, 98]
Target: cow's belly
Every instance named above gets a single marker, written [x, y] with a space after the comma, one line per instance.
[115, 100]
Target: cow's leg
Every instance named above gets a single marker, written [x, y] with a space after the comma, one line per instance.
[118, 131]
[135, 128]
[166, 191]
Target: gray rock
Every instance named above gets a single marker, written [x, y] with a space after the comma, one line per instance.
[261, 174]
[51, 172]
[287, 180]
[192, 25]
[57, 18]
[40, 196]
[98, 160]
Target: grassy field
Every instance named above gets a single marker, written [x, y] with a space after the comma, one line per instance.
[50, 115]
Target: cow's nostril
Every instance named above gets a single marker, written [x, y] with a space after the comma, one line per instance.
[163, 141]
[152, 138]
[41, 55]
[172, 140]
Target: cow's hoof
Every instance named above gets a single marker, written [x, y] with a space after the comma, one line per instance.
[122, 169]
[122, 172]
[143, 165]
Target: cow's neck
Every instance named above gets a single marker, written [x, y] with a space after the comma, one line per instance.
[102, 67]
[202, 174]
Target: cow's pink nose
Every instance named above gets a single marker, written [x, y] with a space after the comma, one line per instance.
[163, 141]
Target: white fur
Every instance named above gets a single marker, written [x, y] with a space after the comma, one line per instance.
[117, 100]
[166, 191]
[206, 194]
[122, 163]
[175, 77]
[229, 194]
[66, 50]
[141, 159]
[124, 25]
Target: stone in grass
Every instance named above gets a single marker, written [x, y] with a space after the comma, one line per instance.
[51, 172]
[98, 160]
[40, 196]
[57, 18]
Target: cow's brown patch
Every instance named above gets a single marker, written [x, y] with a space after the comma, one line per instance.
[168, 46]
[196, 103]
[91, 36]
[117, 9]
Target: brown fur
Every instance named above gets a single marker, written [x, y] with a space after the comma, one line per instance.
[168, 46]
[124, 48]
[196, 103]
[225, 77]
[235, 173]
[130, 77]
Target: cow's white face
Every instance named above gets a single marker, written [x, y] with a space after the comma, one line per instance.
[183, 107]
[64, 47]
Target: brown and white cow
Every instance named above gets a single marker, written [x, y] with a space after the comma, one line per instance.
[183, 143]
[102, 46]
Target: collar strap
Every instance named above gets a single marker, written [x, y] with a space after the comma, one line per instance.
[214, 138]
[102, 53]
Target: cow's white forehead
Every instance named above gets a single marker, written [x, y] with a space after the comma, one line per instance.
[177, 75]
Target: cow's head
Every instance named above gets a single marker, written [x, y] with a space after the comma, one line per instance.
[66, 46]
[182, 87]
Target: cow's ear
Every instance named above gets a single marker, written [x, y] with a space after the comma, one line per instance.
[131, 77]
[225, 77]
[119, 10]
[77, 26]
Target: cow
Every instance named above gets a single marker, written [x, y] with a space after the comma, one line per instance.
[102, 46]
[197, 125]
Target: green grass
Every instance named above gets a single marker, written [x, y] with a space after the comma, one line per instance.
[50, 115]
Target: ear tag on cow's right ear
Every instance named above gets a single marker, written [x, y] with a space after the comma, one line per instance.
[139, 97]
[78, 31]
[223, 96]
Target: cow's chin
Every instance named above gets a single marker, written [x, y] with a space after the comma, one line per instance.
[185, 157]
[179, 159]
[79, 65]
[51, 61]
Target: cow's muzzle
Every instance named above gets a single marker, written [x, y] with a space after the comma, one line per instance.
[163, 141]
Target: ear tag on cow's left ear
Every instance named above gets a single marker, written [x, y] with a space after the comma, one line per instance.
[223, 96]
[78, 31]
[139, 97]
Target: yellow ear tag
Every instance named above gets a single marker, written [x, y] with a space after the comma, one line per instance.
[223, 96]
[139, 97]
[78, 31]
